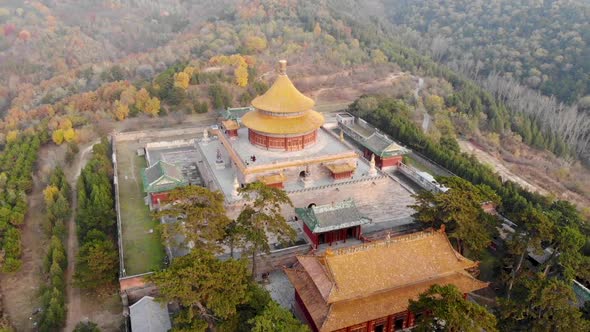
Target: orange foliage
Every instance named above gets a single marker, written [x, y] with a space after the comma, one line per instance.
[24, 35]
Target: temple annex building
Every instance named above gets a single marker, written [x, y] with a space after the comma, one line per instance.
[367, 288]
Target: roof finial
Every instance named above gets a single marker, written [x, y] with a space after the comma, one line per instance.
[283, 67]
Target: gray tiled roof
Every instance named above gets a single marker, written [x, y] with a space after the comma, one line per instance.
[147, 315]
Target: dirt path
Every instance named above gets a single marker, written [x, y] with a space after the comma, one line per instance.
[21, 289]
[499, 167]
[73, 302]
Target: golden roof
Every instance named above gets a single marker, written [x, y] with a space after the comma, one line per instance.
[264, 123]
[341, 168]
[330, 317]
[283, 96]
[230, 124]
[272, 179]
[357, 284]
[370, 268]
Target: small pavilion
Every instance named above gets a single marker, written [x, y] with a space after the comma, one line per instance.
[160, 178]
[332, 222]
[368, 287]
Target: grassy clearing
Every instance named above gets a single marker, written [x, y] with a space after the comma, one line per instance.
[143, 251]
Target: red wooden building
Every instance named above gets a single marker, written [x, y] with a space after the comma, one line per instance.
[387, 152]
[230, 127]
[367, 288]
[342, 170]
[159, 179]
[332, 222]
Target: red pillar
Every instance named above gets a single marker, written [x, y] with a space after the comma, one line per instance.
[389, 325]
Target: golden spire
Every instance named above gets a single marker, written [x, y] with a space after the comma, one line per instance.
[283, 96]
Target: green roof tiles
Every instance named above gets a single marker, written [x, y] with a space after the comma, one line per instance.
[329, 217]
[162, 176]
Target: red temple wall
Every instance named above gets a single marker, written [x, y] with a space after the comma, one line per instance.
[158, 196]
[387, 322]
[276, 185]
[282, 143]
[388, 161]
[313, 237]
[343, 175]
[383, 162]
[305, 312]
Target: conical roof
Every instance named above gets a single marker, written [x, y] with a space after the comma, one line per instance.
[283, 96]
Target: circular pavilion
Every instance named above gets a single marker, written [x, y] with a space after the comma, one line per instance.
[283, 118]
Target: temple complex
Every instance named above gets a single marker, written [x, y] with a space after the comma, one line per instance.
[367, 288]
[280, 141]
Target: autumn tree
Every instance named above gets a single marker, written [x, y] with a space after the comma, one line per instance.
[121, 110]
[444, 308]
[261, 217]
[141, 98]
[317, 30]
[255, 43]
[201, 214]
[241, 76]
[182, 80]
[69, 135]
[58, 136]
[207, 288]
[152, 106]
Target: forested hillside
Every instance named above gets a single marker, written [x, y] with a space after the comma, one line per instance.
[543, 44]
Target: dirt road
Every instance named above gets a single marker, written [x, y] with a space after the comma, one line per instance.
[73, 302]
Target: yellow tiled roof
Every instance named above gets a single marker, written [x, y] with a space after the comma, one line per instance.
[272, 179]
[341, 168]
[283, 97]
[377, 279]
[348, 313]
[264, 123]
[373, 267]
[230, 124]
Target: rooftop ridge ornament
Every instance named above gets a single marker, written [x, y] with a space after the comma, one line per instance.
[386, 242]
[282, 67]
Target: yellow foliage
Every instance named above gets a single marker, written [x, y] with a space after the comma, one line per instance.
[152, 107]
[255, 43]
[65, 123]
[181, 80]
[121, 111]
[11, 136]
[128, 95]
[58, 136]
[189, 70]
[50, 194]
[241, 75]
[434, 103]
[141, 98]
[378, 57]
[69, 135]
[317, 30]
